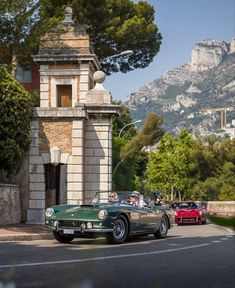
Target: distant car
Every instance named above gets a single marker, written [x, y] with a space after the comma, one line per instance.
[116, 221]
[189, 212]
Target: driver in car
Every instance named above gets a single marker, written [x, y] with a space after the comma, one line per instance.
[136, 199]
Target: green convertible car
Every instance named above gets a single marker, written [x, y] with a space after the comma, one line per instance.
[117, 221]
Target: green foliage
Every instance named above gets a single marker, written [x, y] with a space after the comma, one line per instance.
[202, 163]
[114, 26]
[223, 221]
[18, 21]
[207, 190]
[226, 177]
[129, 161]
[150, 134]
[167, 169]
[15, 115]
[123, 171]
[122, 120]
[174, 90]
[196, 170]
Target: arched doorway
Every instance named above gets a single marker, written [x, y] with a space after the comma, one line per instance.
[55, 184]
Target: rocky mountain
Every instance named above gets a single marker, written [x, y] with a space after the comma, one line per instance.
[184, 94]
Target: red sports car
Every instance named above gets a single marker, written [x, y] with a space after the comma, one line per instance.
[189, 213]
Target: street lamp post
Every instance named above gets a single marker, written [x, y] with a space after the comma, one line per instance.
[123, 53]
[120, 132]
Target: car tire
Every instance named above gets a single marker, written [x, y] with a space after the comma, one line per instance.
[61, 238]
[163, 229]
[120, 231]
[204, 222]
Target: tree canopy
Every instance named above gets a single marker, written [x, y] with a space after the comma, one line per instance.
[114, 26]
[188, 168]
[129, 155]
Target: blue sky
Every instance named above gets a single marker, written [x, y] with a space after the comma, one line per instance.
[182, 23]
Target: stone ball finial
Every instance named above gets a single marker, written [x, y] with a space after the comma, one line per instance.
[68, 10]
[99, 76]
[68, 15]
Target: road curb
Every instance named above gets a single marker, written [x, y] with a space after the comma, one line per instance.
[25, 237]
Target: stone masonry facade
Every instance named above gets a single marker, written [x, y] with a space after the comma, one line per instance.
[78, 136]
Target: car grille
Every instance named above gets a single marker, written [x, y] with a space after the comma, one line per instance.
[69, 223]
[189, 219]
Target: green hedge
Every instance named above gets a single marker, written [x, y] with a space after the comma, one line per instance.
[15, 115]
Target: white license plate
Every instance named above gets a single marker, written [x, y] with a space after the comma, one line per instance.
[68, 231]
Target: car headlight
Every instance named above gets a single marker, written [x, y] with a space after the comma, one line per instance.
[55, 223]
[102, 214]
[88, 225]
[200, 212]
[49, 212]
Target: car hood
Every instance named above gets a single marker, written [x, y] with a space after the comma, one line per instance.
[82, 212]
[187, 211]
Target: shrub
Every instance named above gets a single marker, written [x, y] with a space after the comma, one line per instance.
[15, 115]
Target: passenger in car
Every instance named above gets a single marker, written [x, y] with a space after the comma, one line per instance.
[113, 197]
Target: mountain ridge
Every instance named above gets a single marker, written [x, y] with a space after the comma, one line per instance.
[180, 95]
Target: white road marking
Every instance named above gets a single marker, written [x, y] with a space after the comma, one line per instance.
[103, 258]
[175, 244]
[215, 241]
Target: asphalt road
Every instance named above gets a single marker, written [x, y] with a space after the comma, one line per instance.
[191, 256]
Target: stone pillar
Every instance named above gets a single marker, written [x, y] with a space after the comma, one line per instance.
[98, 151]
[36, 205]
[98, 139]
[75, 183]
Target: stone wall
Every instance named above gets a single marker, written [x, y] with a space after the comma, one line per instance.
[49, 136]
[224, 208]
[10, 211]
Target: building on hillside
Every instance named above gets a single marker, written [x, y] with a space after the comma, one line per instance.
[70, 156]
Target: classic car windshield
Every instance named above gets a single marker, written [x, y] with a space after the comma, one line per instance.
[185, 205]
[103, 198]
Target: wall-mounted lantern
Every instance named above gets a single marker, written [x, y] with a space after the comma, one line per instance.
[55, 155]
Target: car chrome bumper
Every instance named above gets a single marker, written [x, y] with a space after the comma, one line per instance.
[84, 230]
[194, 219]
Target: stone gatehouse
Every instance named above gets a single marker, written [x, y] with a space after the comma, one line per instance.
[70, 155]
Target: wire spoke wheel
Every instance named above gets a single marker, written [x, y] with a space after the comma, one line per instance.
[120, 231]
[163, 228]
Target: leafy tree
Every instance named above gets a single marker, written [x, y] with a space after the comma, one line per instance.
[122, 120]
[150, 134]
[124, 176]
[15, 115]
[202, 163]
[227, 180]
[114, 26]
[224, 151]
[18, 20]
[167, 169]
[205, 190]
[129, 159]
